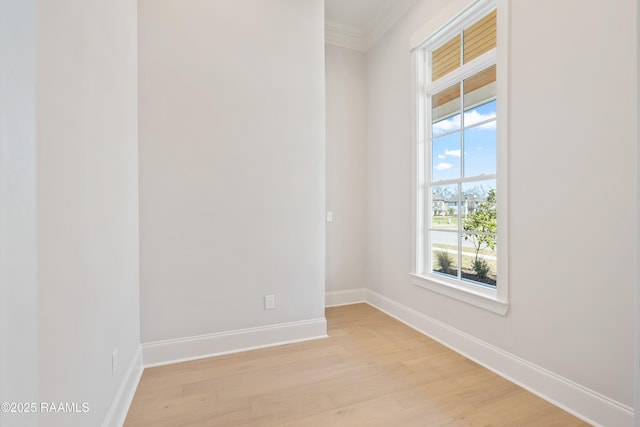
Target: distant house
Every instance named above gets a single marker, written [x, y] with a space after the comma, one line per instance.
[440, 205]
[449, 206]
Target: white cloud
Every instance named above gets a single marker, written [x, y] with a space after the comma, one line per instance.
[442, 166]
[446, 125]
[472, 117]
[441, 156]
[455, 153]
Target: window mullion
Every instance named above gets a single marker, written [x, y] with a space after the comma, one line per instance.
[465, 180]
[460, 225]
[462, 127]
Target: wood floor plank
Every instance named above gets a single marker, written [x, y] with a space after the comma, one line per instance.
[371, 371]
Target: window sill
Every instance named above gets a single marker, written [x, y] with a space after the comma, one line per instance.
[471, 294]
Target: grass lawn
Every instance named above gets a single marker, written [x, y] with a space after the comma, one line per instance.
[445, 222]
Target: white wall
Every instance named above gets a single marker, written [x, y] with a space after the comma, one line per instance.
[637, 319]
[74, 180]
[232, 165]
[572, 190]
[18, 283]
[346, 168]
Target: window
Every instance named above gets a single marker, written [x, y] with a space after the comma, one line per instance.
[460, 147]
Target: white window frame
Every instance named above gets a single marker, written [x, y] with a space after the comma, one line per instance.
[458, 15]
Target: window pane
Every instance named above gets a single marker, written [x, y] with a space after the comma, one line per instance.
[480, 37]
[478, 206]
[479, 222]
[480, 150]
[481, 114]
[444, 207]
[445, 59]
[444, 252]
[446, 157]
[448, 124]
[480, 88]
[445, 110]
[479, 258]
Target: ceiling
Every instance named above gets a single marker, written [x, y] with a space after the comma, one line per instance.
[357, 14]
[357, 24]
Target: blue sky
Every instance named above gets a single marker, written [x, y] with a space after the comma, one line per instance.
[480, 144]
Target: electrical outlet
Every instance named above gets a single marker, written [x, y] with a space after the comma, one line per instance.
[269, 302]
[114, 361]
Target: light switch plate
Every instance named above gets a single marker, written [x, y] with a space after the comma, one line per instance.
[269, 302]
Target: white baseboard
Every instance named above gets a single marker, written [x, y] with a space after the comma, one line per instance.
[590, 406]
[184, 349]
[346, 297]
[120, 406]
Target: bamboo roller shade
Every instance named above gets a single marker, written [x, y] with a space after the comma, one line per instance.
[478, 39]
[445, 58]
[471, 84]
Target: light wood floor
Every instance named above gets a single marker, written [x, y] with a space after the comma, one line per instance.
[371, 371]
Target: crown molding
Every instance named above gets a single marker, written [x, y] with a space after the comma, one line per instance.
[361, 40]
[345, 36]
[385, 20]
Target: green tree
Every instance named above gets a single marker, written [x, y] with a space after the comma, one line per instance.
[483, 220]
